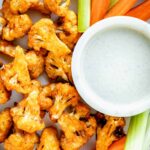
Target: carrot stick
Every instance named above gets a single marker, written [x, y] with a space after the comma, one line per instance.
[98, 10]
[142, 11]
[118, 145]
[121, 8]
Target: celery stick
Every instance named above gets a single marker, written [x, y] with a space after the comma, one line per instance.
[136, 132]
[84, 7]
[112, 3]
[146, 145]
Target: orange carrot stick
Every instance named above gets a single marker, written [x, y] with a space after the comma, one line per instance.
[121, 8]
[98, 10]
[142, 11]
[118, 145]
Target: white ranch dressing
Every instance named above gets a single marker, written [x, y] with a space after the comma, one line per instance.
[116, 65]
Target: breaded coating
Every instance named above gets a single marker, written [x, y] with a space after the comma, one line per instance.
[21, 141]
[78, 126]
[58, 67]
[34, 59]
[21, 6]
[59, 7]
[63, 96]
[5, 124]
[2, 24]
[42, 35]
[67, 29]
[35, 63]
[17, 25]
[45, 97]
[109, 130]
[49, 140]
[7, 48]
[39, 6]
[57, 97]
[4, 93]
[15, 75]
[26, 115]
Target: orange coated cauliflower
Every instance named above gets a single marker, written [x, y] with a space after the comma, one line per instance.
[42, 35]
[20, 140]
[26, 115]
[58, 67]
[67, 29]
[109, 130]
[63, 96]
[59, 7]
[78, 126]
[17, 25]
[49, 140]
[15, 75]
[5, 124]
[2, 24]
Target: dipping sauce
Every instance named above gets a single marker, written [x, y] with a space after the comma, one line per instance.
[116, 64]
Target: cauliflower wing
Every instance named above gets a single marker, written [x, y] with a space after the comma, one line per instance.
[109, 130]
[4, 93]
[39, 6]
[58, 67]
[67, 30]
[21, 6]
[49, 140]
[42, 35]
[7, 48]
[45, 97]
[26, 115]
[15, 75]
[77, 126]
[5, 124]
[2, 24]
[63, 96]
[34, 60]
[35, 63]
[17, 25]
[59, 7]
[21, 141]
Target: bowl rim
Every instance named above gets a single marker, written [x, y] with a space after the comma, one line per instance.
[88, 95]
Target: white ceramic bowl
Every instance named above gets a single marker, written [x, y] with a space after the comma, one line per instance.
[86, 91]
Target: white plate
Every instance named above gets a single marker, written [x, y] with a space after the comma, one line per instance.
[15, 97]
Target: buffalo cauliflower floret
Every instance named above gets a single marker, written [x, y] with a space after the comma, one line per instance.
[21, 141]
[26, 115]
[77, 126]
[5, 124]
[2, 24]
[58, 67]
[7, 48]
[59, 7]
[49, 140]
[67, 29]
[17, 25]
[4, 93]
[35, 63]
[42, 35]
[45, 99]
[109, 130]
[21, 6]
[34, 59]
[15, 75]
[63, 96]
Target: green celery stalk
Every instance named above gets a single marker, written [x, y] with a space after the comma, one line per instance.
[84, 7]
[146, 145]
[112, 3]
[136, 132]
